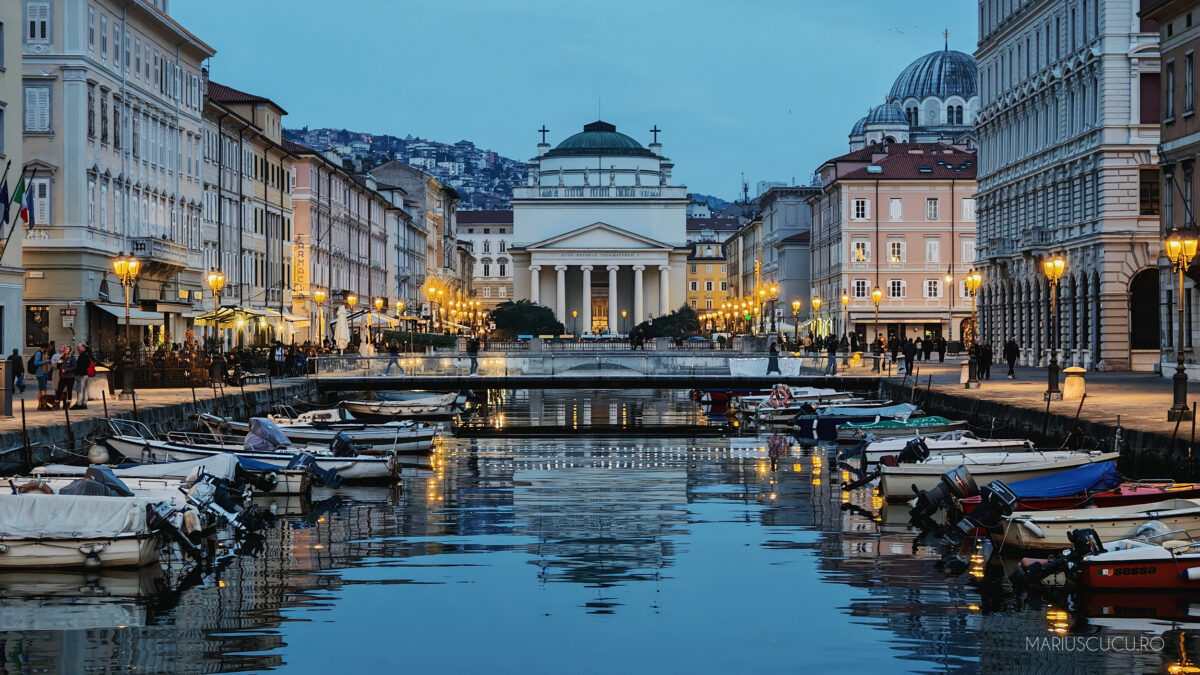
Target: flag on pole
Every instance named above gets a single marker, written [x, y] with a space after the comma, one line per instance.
[24, 197]
[5, 210]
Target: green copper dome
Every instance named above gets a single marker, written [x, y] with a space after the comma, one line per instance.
[599, 138]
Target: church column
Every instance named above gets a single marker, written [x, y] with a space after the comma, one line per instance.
[664, 289]
[586, 326]
[639, 306]
[535, 284]
[560, 307]
[612, 298]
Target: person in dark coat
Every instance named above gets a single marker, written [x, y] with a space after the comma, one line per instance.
[910, 353]
[773, 360]
[876, 352]
[831, 348]
[928, 345]
[1012, 352]
[920, 345]
[894, 347]
[986, 356]
[83, 367]
[473, 353]
[16, 371]
[941, 349]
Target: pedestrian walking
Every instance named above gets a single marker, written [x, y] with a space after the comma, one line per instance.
[910, 352]
[876, 354]
[941, 349]
[831, 347]
[66, 377]
[39, 365]
[986, 356]
[393, 358]
[929, 344]
[1012, 352]
[773, 360]
[473, 353]
[920, 345]
[16, 371]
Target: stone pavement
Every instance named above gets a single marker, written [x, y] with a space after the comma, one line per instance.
[1140, 399]
[147, 399]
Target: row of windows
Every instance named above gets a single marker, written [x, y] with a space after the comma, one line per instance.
[708, 286]
[860, 289]
[501, 291]
[1037, 48]
[897, 250]
[488, 230]
[708, 268]
[860, 209]
[1188, 88]
[486, 269]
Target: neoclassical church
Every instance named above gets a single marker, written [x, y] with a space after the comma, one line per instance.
[934, 100]
[599, 231]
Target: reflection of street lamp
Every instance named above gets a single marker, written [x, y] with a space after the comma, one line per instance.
[796, 320]
[816, 305]
[127, 269]
[624, 313]
[216, 282]
[1054, 268]
[973, 280]
[1180, 251]
[319, 296]
[876, 297]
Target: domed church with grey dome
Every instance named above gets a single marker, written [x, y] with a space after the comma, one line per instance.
[934, 100]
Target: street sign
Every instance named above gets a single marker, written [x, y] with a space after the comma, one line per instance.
[778, 312]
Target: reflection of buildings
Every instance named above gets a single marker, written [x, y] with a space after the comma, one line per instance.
[536, 411]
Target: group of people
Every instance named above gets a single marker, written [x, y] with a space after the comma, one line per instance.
[61, 373]
[985, 355]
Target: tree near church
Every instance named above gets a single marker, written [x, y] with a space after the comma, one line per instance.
[680, 323]
[525, 318]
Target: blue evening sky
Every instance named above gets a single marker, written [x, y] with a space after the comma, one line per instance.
[766, 87]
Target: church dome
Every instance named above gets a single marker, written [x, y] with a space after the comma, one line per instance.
[940, 74]
[888, 113]
[858, 127]
[599, 138]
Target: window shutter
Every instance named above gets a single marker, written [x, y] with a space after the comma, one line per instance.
[41, 202]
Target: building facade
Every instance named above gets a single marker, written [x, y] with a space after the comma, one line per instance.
[488, 235]
[248, 218]
[786, 219]
[899, 217]
[599, 229]
[707, 285]
[1178, 23]
[11, 163]
[113, 95]
[1068, 127]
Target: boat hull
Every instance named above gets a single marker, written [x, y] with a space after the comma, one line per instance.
[896, 483]
[400, 440]
[134, 550]
[1051, 530]
[1149, 574]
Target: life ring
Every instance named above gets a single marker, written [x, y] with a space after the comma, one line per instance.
[781, 395]
[696, 394]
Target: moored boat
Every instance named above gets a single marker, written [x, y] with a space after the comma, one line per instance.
[1092, 485]
[959, 442]
[824, 423]
[393, 436]
[432, 406]
[853, 432]
[1051, 529]
[897, 483]
[55, 530]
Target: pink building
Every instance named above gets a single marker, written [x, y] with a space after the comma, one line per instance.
[899, 217]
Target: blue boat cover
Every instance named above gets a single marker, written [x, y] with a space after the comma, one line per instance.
[1098, 476]
[255, 465]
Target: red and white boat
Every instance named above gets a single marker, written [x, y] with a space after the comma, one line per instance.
[1133, 564]
[1124, 494]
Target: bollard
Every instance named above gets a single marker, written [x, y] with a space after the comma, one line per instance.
[1074, 386]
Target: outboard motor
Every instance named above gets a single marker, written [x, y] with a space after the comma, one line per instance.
[1084, 542]
[915, 451]
[213, 495]
[341, 446]
[997, 500]
[160, 517]
[808, 408]
[957, 482]
[327, 477]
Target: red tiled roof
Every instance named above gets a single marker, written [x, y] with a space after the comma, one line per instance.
[924, 166]
[297, 149]
[223, 94]
[485, 217]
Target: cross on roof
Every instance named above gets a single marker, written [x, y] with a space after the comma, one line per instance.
[946, 35]
[543, 131]
[655, 131]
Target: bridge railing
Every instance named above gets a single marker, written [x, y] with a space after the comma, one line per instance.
[596, 364]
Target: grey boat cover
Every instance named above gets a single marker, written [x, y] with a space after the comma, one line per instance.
[264, 436]
[40, 516]
[221, 465]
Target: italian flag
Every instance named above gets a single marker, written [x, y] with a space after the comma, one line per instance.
[24, 197]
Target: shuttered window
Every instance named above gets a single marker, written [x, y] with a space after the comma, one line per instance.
[37, 108]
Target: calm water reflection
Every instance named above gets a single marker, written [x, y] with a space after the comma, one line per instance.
[586, 555]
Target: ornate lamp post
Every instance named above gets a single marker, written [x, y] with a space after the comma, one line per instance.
[319, 296]
[796, 320]
[1054, 267]
[949, 305]
[575, 321]
[378, 316]
[876, 298]
[973, 280]
[774, 297]
[1180, 251]
[351, 301]
[127, 269]
[846, 314]
[216, 282]
[762, 300]
[816, 305]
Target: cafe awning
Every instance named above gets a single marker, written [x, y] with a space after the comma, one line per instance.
[228, 316]
[137, 317]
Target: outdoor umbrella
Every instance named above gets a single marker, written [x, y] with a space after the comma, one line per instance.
[364, 345]
[341, 329]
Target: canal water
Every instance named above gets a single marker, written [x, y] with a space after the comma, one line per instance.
[584, 553]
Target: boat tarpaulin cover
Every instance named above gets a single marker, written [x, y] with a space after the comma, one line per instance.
[222, 465]
[900, 410]
[250, 464]
[40, 516]
[264, 436]
[913, 423]
[1098, 476]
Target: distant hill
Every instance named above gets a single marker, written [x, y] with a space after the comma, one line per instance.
[483, 178]
[714, 203]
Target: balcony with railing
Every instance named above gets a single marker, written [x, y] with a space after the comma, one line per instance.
[1036, 240]
[159, 256]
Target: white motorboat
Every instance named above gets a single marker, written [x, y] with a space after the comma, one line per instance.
[52, 530]
[435, 405]
[225, 466]
[1051, 529]
[952, 442]
[896, 483]
[395, 436]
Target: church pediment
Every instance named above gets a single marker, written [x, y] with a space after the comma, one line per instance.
[599, 236]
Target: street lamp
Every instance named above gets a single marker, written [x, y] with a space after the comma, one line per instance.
[845, 314]
[876, 297]
[816, 305]
[1180, 250]
[949, 304]
[624, 313]
[1054, 268]
[762, 300]
[216, 282]
[319, 296]
[378, 316]
[774, 297]
[796, 320]
[973, 281]
[575, 321]
[127, 269]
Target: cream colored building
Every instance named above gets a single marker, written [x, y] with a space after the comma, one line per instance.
[11, 272]
[113, 94]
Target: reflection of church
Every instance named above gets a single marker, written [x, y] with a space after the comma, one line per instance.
[599, 231]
